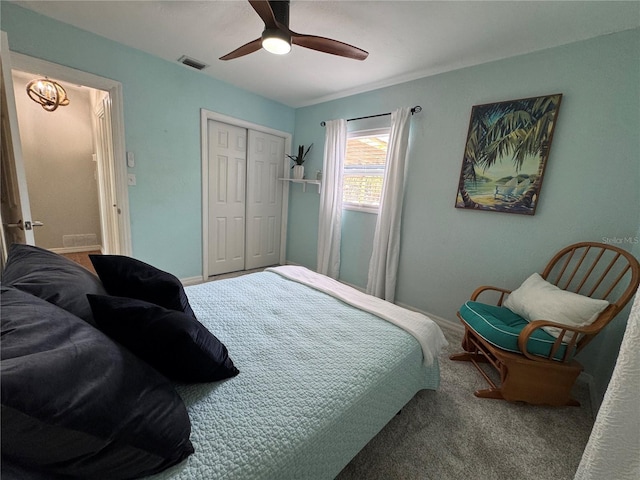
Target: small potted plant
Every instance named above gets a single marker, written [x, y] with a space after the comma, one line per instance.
[298, 160]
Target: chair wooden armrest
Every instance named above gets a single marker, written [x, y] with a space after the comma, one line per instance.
[534, 325]
[487, 288]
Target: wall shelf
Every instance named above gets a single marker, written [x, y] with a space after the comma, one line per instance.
[304, 182]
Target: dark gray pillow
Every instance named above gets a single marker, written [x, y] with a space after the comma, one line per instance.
[53, 278]
[128, 277]
[76, 403]
[174, 343]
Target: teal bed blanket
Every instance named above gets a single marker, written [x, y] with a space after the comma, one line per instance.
[318, 379]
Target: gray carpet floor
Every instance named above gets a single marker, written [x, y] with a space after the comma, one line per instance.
[449, 434]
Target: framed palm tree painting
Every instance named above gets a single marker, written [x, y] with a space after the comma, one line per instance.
[506, 154]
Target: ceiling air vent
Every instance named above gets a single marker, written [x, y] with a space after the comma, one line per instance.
[193, 63]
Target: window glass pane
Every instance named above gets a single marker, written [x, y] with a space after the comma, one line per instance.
[362, 189]
[364, 169]
[367, 150]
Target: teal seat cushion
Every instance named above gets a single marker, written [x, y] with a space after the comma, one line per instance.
[501, 327]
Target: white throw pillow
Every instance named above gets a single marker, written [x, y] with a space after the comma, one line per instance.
[537, 299]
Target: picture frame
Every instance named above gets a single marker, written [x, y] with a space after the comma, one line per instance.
[506, 154]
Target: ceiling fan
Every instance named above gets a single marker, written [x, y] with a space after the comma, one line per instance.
[277, 37]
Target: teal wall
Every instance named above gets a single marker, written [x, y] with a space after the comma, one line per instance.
[162, 102]
[590, 189]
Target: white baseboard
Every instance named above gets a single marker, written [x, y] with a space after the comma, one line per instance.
[444, 323]
[84, 248]
[191, 281]
[595, 400]
[356, 287]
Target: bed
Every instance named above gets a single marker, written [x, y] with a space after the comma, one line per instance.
[322, 367]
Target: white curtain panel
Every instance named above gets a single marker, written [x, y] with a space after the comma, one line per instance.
[383, 266]
[330, 221]
[613, 449]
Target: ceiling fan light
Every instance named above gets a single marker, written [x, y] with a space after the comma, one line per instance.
[276, 41]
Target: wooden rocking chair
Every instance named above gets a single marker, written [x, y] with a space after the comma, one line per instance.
[536, 366]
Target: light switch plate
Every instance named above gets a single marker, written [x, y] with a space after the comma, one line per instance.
[131, 161]
[131, 179]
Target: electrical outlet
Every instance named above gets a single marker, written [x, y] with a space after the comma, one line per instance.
[131, 179]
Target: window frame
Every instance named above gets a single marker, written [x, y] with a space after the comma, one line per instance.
[367, 132]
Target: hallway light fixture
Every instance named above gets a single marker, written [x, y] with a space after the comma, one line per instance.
[47, 93]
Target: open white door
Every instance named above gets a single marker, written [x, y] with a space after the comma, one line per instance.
[17, 225]
[103, 141]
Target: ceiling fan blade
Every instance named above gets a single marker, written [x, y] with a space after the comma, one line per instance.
[327, 45]
[245, 49]
[265, 12]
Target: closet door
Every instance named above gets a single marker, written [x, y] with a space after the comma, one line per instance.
[265, 164]
[227, 179]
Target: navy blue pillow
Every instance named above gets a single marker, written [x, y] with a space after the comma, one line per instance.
[75, 403]
[174, 343]
[128, 277]
[53, 278]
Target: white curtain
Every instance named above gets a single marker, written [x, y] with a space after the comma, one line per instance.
[613, 449]
[330, 221]
[383, 265]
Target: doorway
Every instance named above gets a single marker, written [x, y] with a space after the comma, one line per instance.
[244, 197]
[62, 168]
[100, 208]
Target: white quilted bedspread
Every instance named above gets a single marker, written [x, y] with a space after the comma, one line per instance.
[318, 379]
[613, 450]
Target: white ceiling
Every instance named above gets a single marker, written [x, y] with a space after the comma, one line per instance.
[405, 39]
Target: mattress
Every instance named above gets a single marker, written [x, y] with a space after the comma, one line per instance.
[318, 379]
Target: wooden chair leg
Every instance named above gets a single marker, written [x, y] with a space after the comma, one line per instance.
[470, 353]
[468, 357]
[489, 393]
[467, 345]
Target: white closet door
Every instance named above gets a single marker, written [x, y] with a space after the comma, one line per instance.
[265, 164]
[227, 180]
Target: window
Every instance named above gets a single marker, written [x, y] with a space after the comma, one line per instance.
[364, 166]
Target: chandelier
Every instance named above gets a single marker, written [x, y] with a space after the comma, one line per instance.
[47, 93]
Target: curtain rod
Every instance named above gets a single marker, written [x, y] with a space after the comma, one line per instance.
[416, 109]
